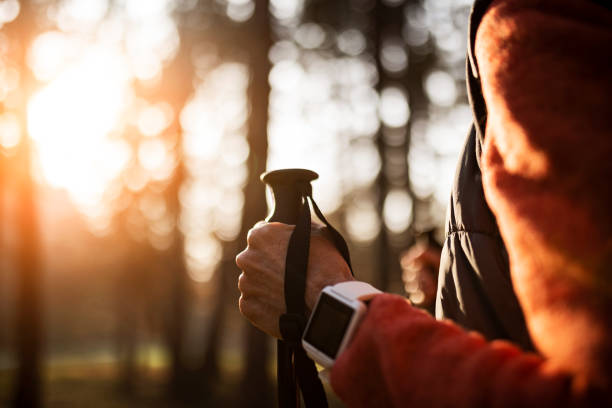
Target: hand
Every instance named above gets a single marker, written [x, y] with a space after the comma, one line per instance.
[420, 266]
[261, 282]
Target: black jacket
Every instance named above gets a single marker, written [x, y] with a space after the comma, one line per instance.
[474, 287]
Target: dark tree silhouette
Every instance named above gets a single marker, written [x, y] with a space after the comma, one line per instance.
[393, 143]
[29, 319]
[256, 386]
[28, 387]
[179, 75]
[3, 271]
[422, 59]
[386, 21]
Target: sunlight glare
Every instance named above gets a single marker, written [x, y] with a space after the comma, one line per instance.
[152, 206]
[50, 52]
[286, 9]
[151, 44]
[9, 81]
[71, 121]
[240, 10]
[152, 154]
[215, 151]
[351, 42]
[283, 50]
[202, 254]
[440, 88]
[9, 10]
[81, 15]
[393, 55]
[362, 221]
[397, 210]
[310, 35]
[394, 109]
[10, 131]
[286, 76]
[365, 163]
[152, 120]
[141, 10]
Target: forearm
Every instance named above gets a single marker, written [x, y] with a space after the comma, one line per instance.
[403, 357]
[545, 68]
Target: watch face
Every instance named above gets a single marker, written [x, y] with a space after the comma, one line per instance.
[328, 325]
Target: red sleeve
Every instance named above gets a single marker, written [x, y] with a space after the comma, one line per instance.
[402, 357]
[545, 68]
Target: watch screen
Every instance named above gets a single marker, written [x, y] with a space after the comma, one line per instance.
[328, 324]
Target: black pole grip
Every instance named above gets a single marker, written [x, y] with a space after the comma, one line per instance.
[287, 188]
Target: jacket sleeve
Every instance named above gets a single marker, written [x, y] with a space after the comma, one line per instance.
[547, 170]
[402, 357]
[545, 72]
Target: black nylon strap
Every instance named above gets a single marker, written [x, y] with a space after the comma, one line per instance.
[337, 238]
[297, 263]
[294, 368]
[285, 375]
[308, 380]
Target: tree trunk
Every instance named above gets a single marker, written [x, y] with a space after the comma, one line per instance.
[28, 387]
[226, 275]
[256, 388]
[29, 321]
[180, 296]
[381, 17]
[178, 87]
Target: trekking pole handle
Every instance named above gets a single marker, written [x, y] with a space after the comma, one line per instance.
[288, 190]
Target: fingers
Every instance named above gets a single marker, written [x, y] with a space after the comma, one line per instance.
[420, 255]
[261, 265]
[260, 304]
[259, 315]
[268, 291]
[261, 281]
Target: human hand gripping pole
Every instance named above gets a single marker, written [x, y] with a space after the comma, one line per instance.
[295, 370]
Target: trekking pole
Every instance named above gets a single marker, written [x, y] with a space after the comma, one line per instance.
[291, 189]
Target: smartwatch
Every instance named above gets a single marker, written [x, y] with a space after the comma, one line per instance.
[334, 319]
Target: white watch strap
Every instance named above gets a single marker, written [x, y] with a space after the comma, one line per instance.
[356, 290]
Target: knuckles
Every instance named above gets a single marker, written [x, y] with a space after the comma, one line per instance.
[242, 283]
[242, 259]
[262, 241]
[254, 236]
[264, 233]
[249, 309]
[259, 234]
[243, 306]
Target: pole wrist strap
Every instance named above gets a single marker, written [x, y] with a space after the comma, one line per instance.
[295, 370]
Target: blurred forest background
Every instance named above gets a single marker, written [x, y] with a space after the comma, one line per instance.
[132, 137]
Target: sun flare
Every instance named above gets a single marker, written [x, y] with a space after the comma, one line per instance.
[73, 119]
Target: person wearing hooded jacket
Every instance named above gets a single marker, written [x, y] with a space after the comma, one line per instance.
[533, 183]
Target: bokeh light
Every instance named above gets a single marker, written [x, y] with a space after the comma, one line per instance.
[72, 120]
[397, 210]
[441, 88]
[138, 112]
[10, 131]
[394, 109]
[362, 220]
[9, 10]
[215, 152]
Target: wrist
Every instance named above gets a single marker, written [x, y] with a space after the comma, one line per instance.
[335, 319]
[313, 295]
